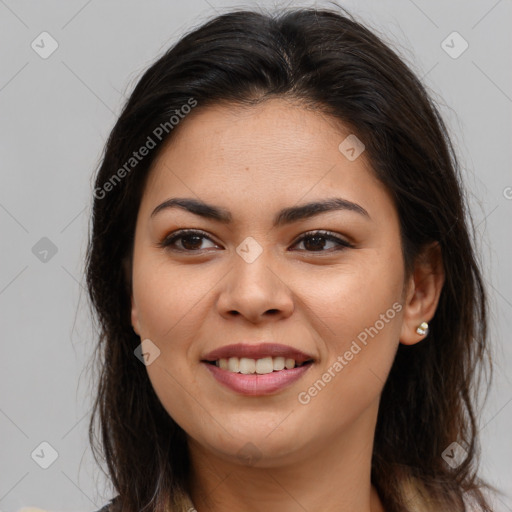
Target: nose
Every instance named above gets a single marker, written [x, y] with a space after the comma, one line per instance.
[255, 291]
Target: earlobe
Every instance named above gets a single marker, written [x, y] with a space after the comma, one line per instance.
[135, 317]
[127, 269]
[423, 293]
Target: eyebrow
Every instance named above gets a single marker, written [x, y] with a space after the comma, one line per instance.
[285, 216]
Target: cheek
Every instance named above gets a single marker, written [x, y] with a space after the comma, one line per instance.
[360, 314]
[166, 296]
[353, 297]
[168, 301]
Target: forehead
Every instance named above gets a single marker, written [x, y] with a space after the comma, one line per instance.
[272, 152]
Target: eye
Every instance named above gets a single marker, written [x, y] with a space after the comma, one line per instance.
[190, 240]
[315, 241]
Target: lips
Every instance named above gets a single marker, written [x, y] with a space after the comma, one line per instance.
[257, 351]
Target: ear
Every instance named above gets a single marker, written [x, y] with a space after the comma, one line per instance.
[422, 292]
[135, 317]
[127, 270]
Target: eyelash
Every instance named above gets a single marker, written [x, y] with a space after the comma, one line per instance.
[167, 242]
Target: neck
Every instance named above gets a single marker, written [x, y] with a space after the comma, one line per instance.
[331, 475]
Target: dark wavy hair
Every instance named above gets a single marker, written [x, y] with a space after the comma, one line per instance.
[323, 59]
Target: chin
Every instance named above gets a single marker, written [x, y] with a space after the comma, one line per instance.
[260, 446]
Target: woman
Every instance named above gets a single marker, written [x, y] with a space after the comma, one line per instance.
[292, 314]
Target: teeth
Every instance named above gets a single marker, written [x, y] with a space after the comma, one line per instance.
[249, 366]
[289, 363]
[233, 364]
[279, 363]
[265, 365]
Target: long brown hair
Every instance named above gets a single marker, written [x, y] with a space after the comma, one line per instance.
[330, 62]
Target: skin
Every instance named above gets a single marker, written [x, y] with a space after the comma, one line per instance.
[254, 162]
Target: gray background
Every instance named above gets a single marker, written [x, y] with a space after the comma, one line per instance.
[55, 116]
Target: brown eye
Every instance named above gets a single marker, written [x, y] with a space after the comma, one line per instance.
[317, 240]
[185, 241]
[191, 241]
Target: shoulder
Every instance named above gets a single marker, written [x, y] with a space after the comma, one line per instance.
[418, 499]
[32, 509]
[106, 508]
[109, 507]
[182, 502]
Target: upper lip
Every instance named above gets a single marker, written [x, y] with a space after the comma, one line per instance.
[257, 351]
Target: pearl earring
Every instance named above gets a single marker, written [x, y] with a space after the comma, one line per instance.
[422, 329]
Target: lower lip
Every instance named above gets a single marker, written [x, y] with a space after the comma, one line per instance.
[255, 385]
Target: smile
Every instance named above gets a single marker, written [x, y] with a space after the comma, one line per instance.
[248, 366]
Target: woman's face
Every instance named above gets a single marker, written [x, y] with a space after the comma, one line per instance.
[253, 280]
